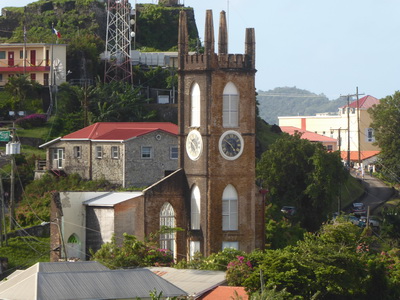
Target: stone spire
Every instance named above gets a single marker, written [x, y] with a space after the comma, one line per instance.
[209, 34]
[183, 39]
[223, 34]
[250, 48]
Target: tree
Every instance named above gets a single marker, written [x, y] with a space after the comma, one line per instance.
[386, 125]
[21, 88]
[328, 264]
[300, 173]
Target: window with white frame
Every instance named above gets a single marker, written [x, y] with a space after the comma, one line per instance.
[194, 248]
[115, 152]
[329, 147]
[230, 106]
[229, 209]
[195, 208]
[99, 151]
[77, 152]
[232, 245]
[167, 220]
[59, 157]
[195, 106]
[369, 135]
[146, 152]
[173, 152]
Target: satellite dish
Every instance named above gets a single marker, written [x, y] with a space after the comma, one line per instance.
[59, 72]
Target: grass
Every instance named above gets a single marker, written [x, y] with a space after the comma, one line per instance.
[23, 252]
[352, 189]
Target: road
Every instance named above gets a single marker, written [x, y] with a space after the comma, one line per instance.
[376, 192]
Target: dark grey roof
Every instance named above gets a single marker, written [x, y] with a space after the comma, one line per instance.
[108, 284]
[67, 266]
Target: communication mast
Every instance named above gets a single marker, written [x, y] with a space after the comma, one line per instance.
[118, 65]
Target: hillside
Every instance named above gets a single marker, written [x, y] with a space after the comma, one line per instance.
[291, 101]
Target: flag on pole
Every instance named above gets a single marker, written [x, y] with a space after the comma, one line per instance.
[56, 32]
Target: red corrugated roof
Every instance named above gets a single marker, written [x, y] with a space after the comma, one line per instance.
[364, 102]
[354, 155]
[120, 130]
[308, 135]
[226, 292]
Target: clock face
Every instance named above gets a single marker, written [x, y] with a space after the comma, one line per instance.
[231, 145]
[194, 144]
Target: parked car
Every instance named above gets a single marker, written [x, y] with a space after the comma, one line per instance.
[288, 210]
[373, 221]
[359, 209]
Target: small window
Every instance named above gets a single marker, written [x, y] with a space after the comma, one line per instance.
[173, 152]
[232, 245]
[77, 152]
[194, 248]
[33, 77]
[99, 151]
[115, 152]
[329, 147]
[1, 77]
[2, 54]
[147, 152]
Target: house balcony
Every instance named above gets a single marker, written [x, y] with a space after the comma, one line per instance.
[40, 168]
[19, 66]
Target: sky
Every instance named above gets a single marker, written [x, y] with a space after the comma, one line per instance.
[327, 47]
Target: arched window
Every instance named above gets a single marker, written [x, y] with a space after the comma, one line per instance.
[195, 106]
[74, 247]
[229, 208]
[195, 208]
[167, 219]
[230, 106]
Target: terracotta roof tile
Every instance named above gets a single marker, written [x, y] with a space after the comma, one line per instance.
[226, 292]
[354, 155]
[308, 135]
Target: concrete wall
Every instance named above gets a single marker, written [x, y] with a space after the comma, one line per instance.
[100, 226]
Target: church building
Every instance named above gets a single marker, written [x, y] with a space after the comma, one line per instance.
[213, 195]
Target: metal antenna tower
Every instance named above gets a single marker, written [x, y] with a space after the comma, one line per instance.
[118, 66]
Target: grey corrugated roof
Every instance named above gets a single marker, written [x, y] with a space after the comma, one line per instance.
[110, 284]
[193, 282]
[112, 198]
[68, 266]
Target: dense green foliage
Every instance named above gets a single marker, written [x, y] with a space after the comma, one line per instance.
[386, 124]
[24, 94]
[286, 101]
[34, 207]
[132, 252]
[302, 174]
[22, 252]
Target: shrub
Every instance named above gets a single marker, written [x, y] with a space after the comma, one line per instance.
[34, 120]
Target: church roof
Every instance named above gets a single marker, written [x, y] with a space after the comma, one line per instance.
[120, 131]
[365, 102]
[308, 135]
[112, 198]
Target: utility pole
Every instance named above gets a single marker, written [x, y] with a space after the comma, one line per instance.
[12, 180]
[358, 128]
[348, 122]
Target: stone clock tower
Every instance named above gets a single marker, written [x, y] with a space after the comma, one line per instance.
[217, 110]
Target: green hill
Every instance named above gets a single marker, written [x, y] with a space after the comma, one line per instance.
[291, 101]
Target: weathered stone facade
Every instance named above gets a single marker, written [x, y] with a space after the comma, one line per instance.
[119, 162]
[211, 172]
